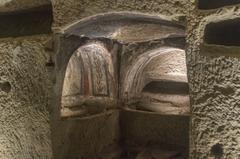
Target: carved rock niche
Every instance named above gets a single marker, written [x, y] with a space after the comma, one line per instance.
[89, 84]
[221, 37]
[214, 4]
[223, 32]
[157, 82]
[111, 60]
[29, 20]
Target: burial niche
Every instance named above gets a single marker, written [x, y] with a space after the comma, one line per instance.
[157, 82]
[89, 83]
[225, 32]
[25, 22]
[213, 4]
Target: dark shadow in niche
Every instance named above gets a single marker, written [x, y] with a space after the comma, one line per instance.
[217, 150]
[168, 87]
[5, 86]
[26, 22]
[223, 33]
[214, 4]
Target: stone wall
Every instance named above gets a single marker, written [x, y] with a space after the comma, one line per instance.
[25, 121]
[24, 81]
[214, 81]
[67, 12]
[26, 87]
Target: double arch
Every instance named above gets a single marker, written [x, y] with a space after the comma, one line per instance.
[109, 32]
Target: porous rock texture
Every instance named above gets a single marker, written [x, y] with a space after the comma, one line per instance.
[67, 12]
[24, 119]
[214, 82]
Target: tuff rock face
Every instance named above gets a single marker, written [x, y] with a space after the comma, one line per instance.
[123, 79]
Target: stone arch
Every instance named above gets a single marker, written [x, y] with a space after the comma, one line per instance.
[89, 83]
[126, 27]
[161, 76]
[113, 30]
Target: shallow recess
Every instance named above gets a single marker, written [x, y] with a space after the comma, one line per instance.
[5, 86]
[157, 82]
[223, 33]
[217, 150]
[26, 22]
[213, 4]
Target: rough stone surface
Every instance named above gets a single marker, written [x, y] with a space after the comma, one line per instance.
[67, 12]
[24, 120]
[214, 82]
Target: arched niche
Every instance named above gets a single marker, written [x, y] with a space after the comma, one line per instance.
[157, 82]
[106, 33]
[89, 85]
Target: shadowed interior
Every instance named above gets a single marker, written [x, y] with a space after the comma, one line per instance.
[223, 33]
[26, 22]
[213, 4]
[168, 87]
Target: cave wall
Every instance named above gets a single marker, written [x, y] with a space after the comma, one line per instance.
[34, 109]
[25, 120]
[67, 12]
[26, 85]
[214, 81]
[24, 81]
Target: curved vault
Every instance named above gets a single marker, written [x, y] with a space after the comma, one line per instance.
[89, 81]
[126, 27]
[157, 81]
